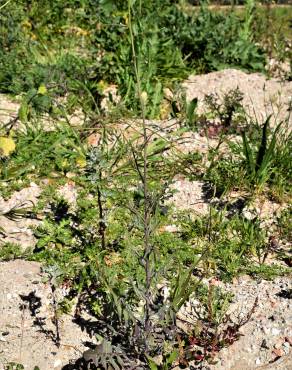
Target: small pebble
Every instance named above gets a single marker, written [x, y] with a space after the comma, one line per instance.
[258, 361]
[275, 331]
[286, 349]
[266, 330]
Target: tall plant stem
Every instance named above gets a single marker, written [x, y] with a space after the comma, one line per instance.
[3, 5]
[147, 246]
[102, 226]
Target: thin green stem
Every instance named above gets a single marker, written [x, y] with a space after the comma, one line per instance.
[147, 246]
[3, 5]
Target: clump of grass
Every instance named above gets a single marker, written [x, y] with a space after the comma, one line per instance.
[11, 251]
[259, 162]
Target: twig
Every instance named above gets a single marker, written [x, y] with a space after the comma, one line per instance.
[56, 320]
[23, 307]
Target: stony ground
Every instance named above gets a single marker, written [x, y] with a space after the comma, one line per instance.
[28, 331]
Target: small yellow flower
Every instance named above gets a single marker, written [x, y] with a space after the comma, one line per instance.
[7, 146]
[81, 161]
[42, 90]
[102, 85]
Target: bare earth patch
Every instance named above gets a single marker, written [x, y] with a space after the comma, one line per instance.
[261, 96]
[27, 329]
[19, 230]
[8, 109]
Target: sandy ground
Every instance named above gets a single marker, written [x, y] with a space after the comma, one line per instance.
[27, 330]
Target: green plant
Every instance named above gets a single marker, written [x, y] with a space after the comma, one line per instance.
[17, 366]
[259, 163]
[11, 251]
[275, 42]
[166, 364]
[32, 36]
[261, 159]
[249, 10]
[224, 172]
[215, 329]
[225, 110]
[232, 242]
[213, 40]
[284, 224]
[42, 152]
[14, 366]
[112, 248]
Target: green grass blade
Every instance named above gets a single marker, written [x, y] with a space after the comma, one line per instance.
[247, 150]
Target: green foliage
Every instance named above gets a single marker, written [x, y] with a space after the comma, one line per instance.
[215, 329]
[105, 355]
[17, 366]
[14, 366]
[284, 224]
[10, 251]
[231, 104]
[267, 272]
[225, 174]
[214, 302]
[258, 166]
[213, 40]
[263, 157]
[232, 242]
[276, 19]
[167, 362]
[42, 153]
[32, 35]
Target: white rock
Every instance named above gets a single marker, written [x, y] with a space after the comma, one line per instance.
[57, 363]
[258, 361]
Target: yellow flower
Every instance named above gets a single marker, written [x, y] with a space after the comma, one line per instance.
[42, 90]
[81, 161]
[7, 146]
[102, 85]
